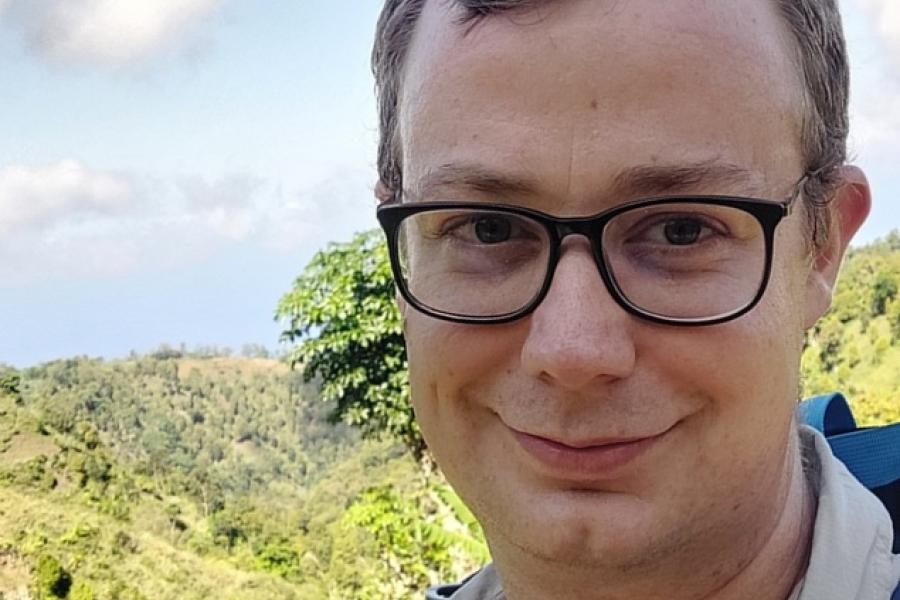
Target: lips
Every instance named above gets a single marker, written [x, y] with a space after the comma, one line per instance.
[593, 459]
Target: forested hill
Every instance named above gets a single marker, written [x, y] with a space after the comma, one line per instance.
[171, 477]
[855, 348]
[184, 477]
[129, 472]
[205, 427]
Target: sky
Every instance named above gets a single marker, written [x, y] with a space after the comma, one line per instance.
[168, 167]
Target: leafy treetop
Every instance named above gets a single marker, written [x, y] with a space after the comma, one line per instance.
[342, 315]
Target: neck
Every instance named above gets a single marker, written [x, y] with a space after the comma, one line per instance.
[724, 570]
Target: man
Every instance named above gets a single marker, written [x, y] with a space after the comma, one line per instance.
[611, 224]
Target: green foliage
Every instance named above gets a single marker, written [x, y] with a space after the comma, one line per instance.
[893, 317]
[400, 532]
[884, 289]
[206, 428]
[210, 458]
[855, 347]
[467, 536]
[50, 579]
[394, 541]
[342, 315]
[81, 591]
[10, 384]
[279, 557]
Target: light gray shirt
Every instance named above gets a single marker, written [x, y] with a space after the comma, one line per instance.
[851, 555]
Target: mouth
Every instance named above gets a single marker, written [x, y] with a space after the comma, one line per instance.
[595, 459]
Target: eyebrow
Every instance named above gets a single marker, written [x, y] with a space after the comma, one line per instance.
[631, 182]
[471, 176]
[648, 180]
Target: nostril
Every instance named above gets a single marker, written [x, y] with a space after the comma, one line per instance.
[571, 352]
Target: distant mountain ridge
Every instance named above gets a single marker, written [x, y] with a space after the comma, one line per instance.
[236, 421]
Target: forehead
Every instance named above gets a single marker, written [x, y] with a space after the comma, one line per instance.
[575, 91]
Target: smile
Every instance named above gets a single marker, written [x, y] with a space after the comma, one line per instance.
[595, 459]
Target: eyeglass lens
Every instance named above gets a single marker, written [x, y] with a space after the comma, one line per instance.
[675, 260]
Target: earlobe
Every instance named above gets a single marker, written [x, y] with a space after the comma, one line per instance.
[849, 207]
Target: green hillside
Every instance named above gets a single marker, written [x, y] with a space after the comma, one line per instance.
[855, 348]
[174, 476]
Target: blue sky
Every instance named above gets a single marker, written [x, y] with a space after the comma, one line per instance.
[167, 167]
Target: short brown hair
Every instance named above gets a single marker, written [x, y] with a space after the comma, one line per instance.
[821, 55]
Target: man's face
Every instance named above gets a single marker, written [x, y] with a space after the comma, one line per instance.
[571, 97]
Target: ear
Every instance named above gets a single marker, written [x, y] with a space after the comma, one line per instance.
[849, 208]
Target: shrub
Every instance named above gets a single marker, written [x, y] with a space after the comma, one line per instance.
[51, 579]
[81, 591]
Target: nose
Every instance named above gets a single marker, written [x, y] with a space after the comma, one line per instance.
[578, 334]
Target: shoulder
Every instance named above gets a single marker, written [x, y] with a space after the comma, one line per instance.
[851, 553]
[483, 585]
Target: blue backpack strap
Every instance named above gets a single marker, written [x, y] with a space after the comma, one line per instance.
[871, 454]
[829, 413]
[896, 594]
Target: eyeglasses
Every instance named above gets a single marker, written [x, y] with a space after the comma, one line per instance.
[678, 260]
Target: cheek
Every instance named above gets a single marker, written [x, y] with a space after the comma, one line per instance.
[739, 381]
[446, 358]
[755, 357]
[448, 367]
[743, 376]
[746, 371]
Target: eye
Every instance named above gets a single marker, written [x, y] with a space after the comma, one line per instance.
[682, 231]
[492, 229]
[478, 228]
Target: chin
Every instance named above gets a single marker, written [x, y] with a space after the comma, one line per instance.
[583, 528]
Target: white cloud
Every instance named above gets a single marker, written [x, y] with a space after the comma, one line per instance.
[331, 210]
[40, 197]
[104, 32]
[70, 221]
[227, 207]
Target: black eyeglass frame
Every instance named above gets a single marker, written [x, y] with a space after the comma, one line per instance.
[767, 212]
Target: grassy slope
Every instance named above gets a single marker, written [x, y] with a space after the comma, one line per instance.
[129, 560]
[141, 557]
[144, 556]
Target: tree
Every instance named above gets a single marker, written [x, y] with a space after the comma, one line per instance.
[10, 384]
[51, 579]
[883, 291]
[342, 315]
